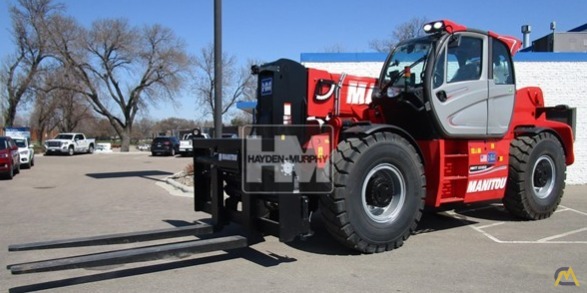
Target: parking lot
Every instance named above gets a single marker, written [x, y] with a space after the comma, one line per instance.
[477, 248]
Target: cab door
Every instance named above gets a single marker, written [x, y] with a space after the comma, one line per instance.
[80, 143]
[459, 86]
[502, 89]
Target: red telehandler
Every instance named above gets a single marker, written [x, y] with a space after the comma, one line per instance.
[443, 124]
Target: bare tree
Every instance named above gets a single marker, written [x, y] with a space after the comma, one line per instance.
[174, 125]
[119, 68]
[236, 83]
[143, 129]
[43, 119]
[335, 48]
[407, 30]
[72, 110]
[20, 69]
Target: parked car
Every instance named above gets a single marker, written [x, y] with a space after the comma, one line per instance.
[9, 157]
[144, 147]
[27, 153]
[70, 143]
[185, 144]
[165, 145]
[229, 135]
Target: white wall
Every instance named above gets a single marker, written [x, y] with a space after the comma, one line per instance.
[562, 83]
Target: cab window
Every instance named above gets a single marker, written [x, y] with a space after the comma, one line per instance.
[464, 61]
[502, 64]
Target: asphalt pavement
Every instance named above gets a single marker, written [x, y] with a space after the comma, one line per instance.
[478, 248]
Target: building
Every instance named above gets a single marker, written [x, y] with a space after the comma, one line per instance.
[574, 40]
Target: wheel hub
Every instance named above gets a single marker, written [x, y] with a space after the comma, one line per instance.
[543, 177]
[379, 191]
[542, 174]
[383, 193]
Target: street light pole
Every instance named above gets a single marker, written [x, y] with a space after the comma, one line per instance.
[217, 68]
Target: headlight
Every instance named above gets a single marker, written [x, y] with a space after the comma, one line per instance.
[3, 155]
[25, 153]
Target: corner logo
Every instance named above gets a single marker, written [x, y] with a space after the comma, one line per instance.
[266, 86]
[566, 273]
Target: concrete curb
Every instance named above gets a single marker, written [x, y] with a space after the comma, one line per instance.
[177, 185]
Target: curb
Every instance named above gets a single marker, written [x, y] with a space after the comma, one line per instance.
[184, 188]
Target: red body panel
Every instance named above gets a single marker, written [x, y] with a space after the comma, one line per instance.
[354, 96]
[457, 170]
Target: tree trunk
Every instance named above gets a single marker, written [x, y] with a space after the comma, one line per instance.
[40, 134]
[10, 114]
[125, 139]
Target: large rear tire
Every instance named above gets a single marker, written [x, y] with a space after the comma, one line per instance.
[379, 190]
[537, 174]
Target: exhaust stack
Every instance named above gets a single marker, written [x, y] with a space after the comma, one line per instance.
[526, 30]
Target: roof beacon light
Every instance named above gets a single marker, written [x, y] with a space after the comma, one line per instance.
[444, 25]
[427, 28]
[434, 27]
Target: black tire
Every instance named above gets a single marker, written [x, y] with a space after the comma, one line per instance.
[153, 154]
[172, 152]
[17, 169]
[91, 149]
[360, 213]
[70, 151]
[537, 173]
[32, 163]
[10, 174]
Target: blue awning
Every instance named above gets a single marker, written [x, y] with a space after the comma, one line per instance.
[247, 106]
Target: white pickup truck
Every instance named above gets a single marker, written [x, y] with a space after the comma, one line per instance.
[185, 144]
[70, 143]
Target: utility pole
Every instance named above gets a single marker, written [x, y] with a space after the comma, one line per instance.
[217, 68]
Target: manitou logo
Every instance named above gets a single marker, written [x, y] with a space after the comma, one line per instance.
[486, 184]
[359, 93]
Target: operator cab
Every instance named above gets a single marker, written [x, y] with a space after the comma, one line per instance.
[452, 83]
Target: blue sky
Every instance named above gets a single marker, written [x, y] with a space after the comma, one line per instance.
[267, 30]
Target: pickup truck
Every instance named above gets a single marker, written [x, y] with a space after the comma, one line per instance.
[70, 143]
[185, 144]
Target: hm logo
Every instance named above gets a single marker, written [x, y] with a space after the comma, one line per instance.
[566, 273]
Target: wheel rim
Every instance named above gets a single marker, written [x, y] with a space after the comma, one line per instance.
[543, 177]
[383, 193]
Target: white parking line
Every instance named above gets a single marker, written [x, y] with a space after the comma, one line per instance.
[574, 210]
[562, 210]
[491, 225]
[546, 240]
[561, 235]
